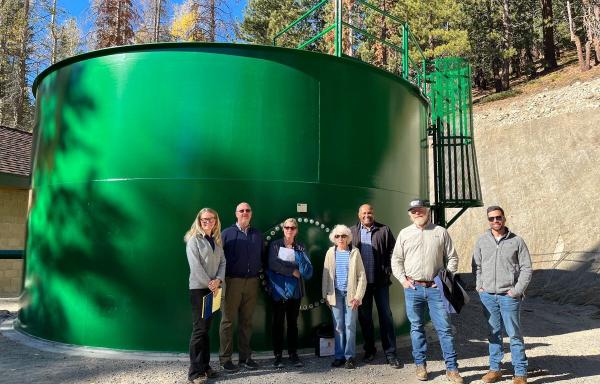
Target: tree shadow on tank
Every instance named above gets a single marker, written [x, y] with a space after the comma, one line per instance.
[77, 283]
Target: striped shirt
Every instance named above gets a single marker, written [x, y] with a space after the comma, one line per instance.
[342, 259]
[366, 251]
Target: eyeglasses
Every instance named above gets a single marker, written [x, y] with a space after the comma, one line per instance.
[342, 236]
[290, 228]
[491, 219]
[207, 220]
[244, 210]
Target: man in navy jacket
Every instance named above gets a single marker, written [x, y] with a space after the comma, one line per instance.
[244, 247]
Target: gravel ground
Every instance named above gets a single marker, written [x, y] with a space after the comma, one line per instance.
[563, 346]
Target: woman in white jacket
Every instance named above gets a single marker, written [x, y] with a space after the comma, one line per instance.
[205, 256]
[344, 284]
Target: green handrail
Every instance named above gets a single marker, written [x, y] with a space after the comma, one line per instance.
[370, 35]
[319, 35]
[408, 64]
[304, 16]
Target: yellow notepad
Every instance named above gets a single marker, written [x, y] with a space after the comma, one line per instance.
[211, 303]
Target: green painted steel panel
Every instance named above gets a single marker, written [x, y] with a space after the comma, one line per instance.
[131, 142]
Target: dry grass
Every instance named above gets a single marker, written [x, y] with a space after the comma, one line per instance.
[566, 74]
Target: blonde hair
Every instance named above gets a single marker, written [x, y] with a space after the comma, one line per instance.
[196, 228]
[340, 229]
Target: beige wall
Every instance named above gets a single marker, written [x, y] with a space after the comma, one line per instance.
[545, 173]
[13, 212]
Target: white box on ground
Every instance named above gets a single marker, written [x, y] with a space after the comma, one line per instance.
[326, 346]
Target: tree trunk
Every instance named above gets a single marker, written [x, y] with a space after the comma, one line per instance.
[22, 97]
[157, 14]
[497, 76]
[574, 38]
[53, 34]
[516, 65]
[548, 32]
[506, 44]
[588, 54]
[212, 33]
[580, 59]
[596, 38]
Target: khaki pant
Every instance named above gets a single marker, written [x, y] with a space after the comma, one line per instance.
[240, 299]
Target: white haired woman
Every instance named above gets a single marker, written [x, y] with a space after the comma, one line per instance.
[344, 284]
[206, 258]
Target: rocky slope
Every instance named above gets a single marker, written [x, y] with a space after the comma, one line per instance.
[539, 158]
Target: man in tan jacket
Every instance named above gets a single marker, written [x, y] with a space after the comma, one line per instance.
[420, 252]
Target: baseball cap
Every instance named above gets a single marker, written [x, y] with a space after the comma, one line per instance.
[418, 203]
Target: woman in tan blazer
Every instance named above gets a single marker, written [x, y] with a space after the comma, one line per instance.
[344, 284]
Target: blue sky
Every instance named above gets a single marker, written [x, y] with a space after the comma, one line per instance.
[80, 9]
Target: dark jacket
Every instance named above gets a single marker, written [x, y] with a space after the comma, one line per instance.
[382, 241]
[284, 285]
[242, 252]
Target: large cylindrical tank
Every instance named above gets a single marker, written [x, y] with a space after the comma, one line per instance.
[131, 142]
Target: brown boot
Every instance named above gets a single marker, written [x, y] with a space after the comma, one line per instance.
[421, 372]
[492, 377]
[454, 377]
[520, 380]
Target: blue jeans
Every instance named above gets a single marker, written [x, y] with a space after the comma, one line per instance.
[381, 296]
[417, 300]
[344, 323]
[503, 310]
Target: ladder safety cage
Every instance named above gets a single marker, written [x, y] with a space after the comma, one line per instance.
[456, 177]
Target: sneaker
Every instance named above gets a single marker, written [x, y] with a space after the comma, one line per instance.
[369, 356]
[278, 363]
[295, 360]
[211, 373]
[421, 372]
[454, 377]
[229, 366]
[249, 364]
[338, 363]
[394, 362]
[350, 364]
[491, 377]
[520, 380]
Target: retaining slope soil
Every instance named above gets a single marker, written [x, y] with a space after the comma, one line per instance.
[539, 158]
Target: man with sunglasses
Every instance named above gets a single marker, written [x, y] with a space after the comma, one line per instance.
[244, 247]
[376, 243]
[421, 250]
[502, 267]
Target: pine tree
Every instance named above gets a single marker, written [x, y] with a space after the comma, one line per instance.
[113, 22]
[153, 25]
[203, 20]
[263, 19]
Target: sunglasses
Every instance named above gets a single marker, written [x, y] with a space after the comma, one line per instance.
[491, 219]
[244, 210]
[208, 220]
[342, 236]
[290, 228]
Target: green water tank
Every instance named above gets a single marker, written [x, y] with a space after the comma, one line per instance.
[131, 142]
